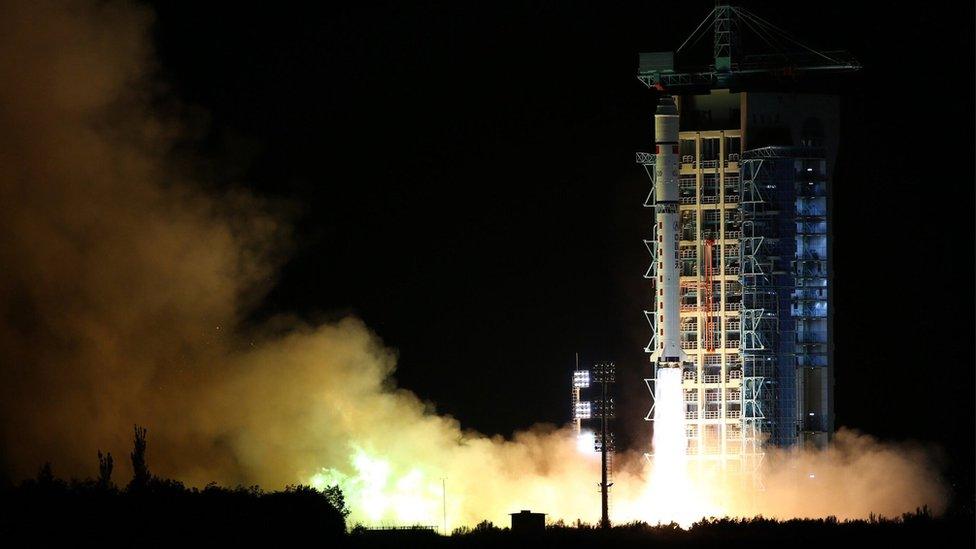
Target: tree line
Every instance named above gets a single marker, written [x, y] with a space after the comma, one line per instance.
[152, 510]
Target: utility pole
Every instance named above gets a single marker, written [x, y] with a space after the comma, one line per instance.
[444, 503]
[578, 383]
[602, 373]
[605, 375]
[604, 485]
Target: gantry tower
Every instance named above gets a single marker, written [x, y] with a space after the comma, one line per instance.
[755, 173]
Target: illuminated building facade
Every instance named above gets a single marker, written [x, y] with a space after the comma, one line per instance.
[754, 252]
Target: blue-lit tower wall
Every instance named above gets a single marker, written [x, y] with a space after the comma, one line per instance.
[783, 254]
[810, 307]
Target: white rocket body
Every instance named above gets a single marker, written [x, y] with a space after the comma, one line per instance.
[667, 352]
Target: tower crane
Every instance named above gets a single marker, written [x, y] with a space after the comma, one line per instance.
[786, 59]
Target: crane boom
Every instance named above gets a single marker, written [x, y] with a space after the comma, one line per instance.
[786, 57]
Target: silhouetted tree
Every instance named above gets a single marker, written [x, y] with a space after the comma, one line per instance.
[140, 470]
[485, 526]
[45, 476]
[334, 496]
[105, 466]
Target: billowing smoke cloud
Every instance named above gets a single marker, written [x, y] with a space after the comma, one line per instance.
[122, 291]
[120, 283]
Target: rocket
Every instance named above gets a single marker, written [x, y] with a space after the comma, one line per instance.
[667, 352]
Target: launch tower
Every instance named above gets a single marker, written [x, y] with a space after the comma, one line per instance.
[754, 163]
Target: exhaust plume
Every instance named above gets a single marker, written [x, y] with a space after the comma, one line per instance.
[122, 295]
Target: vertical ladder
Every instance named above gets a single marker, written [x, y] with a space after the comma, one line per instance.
[706, 301]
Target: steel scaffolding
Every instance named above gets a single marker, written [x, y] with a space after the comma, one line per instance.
[753, 253]
[710, 301]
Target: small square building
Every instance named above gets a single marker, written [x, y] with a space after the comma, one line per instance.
[526, 522]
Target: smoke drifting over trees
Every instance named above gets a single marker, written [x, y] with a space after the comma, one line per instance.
[123, 290]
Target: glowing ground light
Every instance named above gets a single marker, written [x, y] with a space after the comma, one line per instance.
[581, 379]
[378, 494]
[585, 442]
[584, 410]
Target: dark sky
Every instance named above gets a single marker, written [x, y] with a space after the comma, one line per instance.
[465, 183]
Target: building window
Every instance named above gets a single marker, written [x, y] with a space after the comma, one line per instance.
[732, 145]
[710, 149]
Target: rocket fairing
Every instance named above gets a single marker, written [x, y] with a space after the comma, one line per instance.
[667, 352]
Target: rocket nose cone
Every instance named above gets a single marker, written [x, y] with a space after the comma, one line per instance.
[665, 106]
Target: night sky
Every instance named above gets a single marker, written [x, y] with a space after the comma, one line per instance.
[462, 178]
